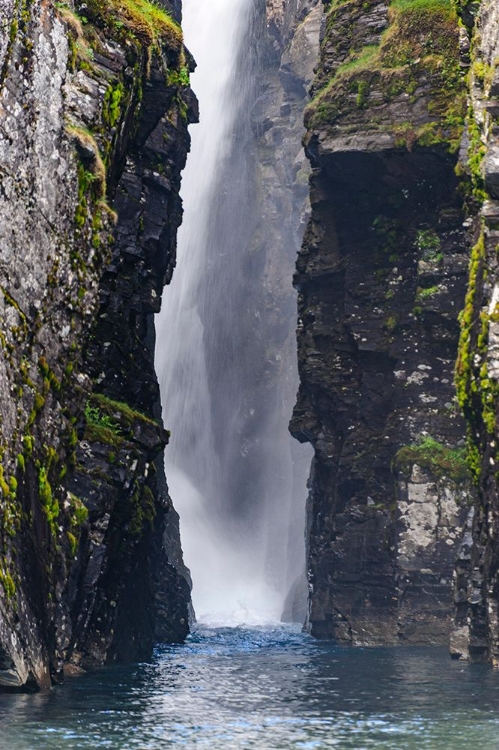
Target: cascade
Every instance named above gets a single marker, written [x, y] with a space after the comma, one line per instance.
[230, 460]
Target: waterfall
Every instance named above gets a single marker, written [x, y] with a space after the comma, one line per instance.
[227, 387]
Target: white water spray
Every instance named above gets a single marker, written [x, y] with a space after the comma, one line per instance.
[234, 520]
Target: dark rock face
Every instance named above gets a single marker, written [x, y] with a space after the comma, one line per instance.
[381, 278]
[132, 505]
[91, 567]
[476, 632]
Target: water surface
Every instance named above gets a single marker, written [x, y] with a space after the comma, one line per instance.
[264, 688]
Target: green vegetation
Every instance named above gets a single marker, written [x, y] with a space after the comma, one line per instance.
[101, 427]
[474, 167]
[469, 319]
[79, 511]
[78, 515]
[426, 292]
[178, 77]
[49, 503]
[112, 100]
[119, 410]
[145, 21]
[95, 175]
[435, 457]
[428, 244]
[7, 582]
[391, 323]
[111, 421]
[365, 59]
[418, 54]
[143, 511]
[73, 543]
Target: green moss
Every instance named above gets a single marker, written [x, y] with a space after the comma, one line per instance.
[143, 511]
[391, 323]
[420, 45]
[435, 457]
[73, 543]
[39, 401]
[469, 319]
[28, 442]
[92, 178]
[476, 153]
[118, 411]
[21, 462]
[49, 503]
[8, 583]
[428, 244]
[178, 77]
[362, 94]
[111, 107]
[365, 59]
[96, 433]
[14, 27]
[4, 486]
[79, 511]
[426, 292]
[140, 19]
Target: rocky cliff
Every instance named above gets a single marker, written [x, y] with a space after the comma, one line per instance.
[381, 279]
[94, 106]
[476, 632]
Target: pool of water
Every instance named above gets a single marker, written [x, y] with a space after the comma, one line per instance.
[264, 688]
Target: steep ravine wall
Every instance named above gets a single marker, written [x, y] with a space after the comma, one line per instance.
[476, 632]
[94, 105]
[381, 278]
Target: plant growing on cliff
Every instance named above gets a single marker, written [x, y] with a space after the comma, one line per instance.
[7, 581]
[147, 21]
[436, 457]
[88, 150]
[48, 502]
[426, 292]
[428, 244]
[101, 427]
[419, 50]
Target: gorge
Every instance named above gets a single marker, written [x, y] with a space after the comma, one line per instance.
[342, 172]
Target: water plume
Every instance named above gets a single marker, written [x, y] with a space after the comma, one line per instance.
[229, 465]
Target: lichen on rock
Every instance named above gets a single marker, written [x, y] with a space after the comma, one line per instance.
[381, 279]
[89, 107]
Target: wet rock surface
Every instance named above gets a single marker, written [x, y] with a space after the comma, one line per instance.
[476, 632]
[381, 279]
[89, 535]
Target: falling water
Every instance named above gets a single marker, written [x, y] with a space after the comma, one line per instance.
[229, 464]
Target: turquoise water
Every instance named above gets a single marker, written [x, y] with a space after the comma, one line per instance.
[264, 688]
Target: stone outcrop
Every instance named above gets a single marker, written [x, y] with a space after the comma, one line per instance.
[476, 632]
[94, 105]
[381, 279]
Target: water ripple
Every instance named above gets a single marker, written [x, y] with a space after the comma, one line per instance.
[270, 688]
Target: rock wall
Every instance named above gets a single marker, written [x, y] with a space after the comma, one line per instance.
[381, 279]
[94, 105]
[476, 632]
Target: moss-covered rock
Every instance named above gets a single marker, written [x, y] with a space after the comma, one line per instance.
[82, 88]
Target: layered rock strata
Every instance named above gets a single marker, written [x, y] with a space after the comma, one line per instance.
[381, 279]
[476, 632]
[94, 105]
